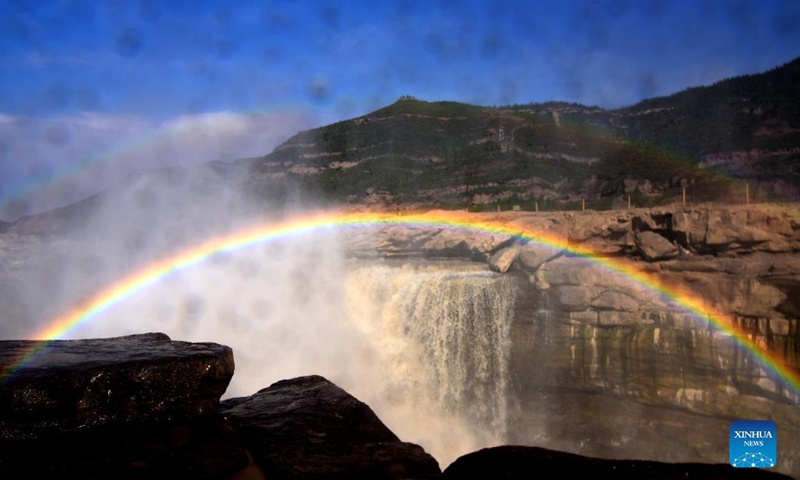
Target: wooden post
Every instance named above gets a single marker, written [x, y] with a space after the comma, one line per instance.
[498, 208]
[747, 193]
[629, 201]
[536, 207]
[684, 197]
[583, 204]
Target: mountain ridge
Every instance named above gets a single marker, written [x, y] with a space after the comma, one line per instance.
[451, 154]
[551, 155]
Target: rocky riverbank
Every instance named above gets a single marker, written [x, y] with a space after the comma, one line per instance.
[602, 364]
[145, 406]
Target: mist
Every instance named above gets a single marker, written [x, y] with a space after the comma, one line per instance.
[50, 161]
[291, 307]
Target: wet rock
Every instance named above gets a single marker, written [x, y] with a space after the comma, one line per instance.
[513, 462]
[68, 385]
[653, 246]
[611, 317]
[308, 428]
[140, 406]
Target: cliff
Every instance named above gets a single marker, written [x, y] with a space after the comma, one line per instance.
[601, 363]
[121, 415]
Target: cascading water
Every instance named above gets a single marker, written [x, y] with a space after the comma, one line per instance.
[444, 333]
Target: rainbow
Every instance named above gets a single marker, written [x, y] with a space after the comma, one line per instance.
[262, 233]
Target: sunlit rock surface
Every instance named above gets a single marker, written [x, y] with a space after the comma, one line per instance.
[502, 260]
[653, 246]
[604, 366]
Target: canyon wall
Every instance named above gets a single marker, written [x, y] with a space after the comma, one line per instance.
[605, 365]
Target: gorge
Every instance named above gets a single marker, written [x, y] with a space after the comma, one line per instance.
[461, 338]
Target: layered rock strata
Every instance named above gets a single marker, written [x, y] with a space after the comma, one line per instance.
[628, 353]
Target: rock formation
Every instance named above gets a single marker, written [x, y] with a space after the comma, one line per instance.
[515, 462]
[308, 428]
[607, 367]
[140, 406]
[144, 406]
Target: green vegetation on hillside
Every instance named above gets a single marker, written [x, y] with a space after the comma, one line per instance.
[450, 154]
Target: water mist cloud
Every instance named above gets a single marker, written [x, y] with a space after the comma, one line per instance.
[290, 307]
[48, 162]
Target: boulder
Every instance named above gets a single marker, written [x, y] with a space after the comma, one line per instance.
[140, 406]
[308, 428]
[66, 385]
[502, 260]
[515, 462]
[484, 244]
[448, 243]
[533, 255]
[653, 246]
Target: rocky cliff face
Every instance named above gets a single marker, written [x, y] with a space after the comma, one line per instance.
[144, 421]
[601, 365]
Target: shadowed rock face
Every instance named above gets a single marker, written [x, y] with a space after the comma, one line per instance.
[74, 384]
[304, 428]
[140, 406]
[308, 428]
[514, 462]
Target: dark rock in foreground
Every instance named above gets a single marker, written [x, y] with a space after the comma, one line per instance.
[308, 428]
[203, 448]
[140, 406]
[74, 384]
[514, 462]
[144, 406]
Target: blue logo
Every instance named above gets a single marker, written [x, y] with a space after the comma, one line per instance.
[753, 444]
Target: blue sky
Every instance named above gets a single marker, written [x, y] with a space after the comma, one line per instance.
[85, 83]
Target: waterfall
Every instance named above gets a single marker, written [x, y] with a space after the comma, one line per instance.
[443, 331]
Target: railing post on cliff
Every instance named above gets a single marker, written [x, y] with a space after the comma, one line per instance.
[683, 196]
[629, 201]
[747, 193]
[536, 207]
[583, 204]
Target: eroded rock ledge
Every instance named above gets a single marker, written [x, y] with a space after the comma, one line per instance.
[744, 259]
[158, 415]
